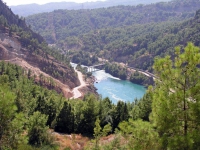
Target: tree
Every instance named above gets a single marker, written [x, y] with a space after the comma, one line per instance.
[37, 132]
[99, 132]
[105, 111]
[120, 114]
[64, 120]
[176, 99]
[11, 123]
[89, 113]
[140, 135]
[142, 108]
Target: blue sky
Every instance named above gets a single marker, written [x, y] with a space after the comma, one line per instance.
[20, 2]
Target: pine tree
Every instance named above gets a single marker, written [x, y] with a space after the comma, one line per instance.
[38, 131]
[11, 123]
[99, 132]
[120, 114]
[139, 135]
[176, 99]
[65, 120]
[89, 113]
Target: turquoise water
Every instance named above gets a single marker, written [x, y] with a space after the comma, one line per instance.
[116, 89]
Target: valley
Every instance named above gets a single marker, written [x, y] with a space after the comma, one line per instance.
[144, 96]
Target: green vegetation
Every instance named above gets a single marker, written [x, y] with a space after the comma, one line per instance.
[175, 106]
[116, 71]
[20, 101]
[68, 23]
[10, 120]
[38, 131]
[138, 45]
[122, 73]
[140, 135]
[64, 120]
[29, 9]
[99, 132]
[49, 60]
[166, 117]
[174, 120]
[139, 78]
[128, 34]
[84, 59]
[33, 109]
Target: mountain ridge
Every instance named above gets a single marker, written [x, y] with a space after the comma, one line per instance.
[59, 24]
[139, 45]
[30, 9]
[127, 34]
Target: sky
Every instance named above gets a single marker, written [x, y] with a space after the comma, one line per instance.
[21, 2]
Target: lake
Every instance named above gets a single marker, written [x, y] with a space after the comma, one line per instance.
[116, 89]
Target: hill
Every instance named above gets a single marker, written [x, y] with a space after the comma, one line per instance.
[128, 34]
[59, 24]
[21, 46]
[30, 9]
[137, 45]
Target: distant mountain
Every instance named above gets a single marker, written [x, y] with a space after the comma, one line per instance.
[56, 26]
[138, 45]
[26, 10]
[128, 34]
[21, 46]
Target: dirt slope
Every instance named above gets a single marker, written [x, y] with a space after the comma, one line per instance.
[12, 51]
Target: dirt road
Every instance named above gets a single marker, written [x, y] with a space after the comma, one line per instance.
[76, 91]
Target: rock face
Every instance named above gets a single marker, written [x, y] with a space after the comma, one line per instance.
[45, 69]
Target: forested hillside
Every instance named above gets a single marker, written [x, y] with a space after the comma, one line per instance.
[59, 24]
[30, 9]
[28, 108]
[20, 45]
[129, 34]
[24, 107]
[138, 45]
[167, 117]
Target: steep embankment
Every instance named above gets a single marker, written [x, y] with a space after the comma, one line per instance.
[11, 51]
[21, 46]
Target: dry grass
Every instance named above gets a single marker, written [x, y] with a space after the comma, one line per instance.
[72, 141]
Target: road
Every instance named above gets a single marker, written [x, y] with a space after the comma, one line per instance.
[76, 91]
